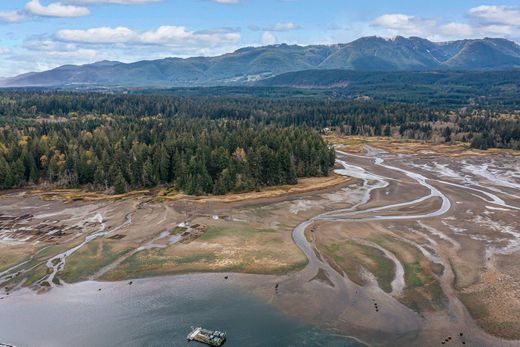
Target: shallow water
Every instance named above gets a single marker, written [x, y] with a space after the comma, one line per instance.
[151, 312]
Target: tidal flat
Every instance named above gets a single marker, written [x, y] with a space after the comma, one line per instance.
[417, 246]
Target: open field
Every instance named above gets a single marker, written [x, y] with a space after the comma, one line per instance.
[224, 247]
[419, 243]
[406, 146]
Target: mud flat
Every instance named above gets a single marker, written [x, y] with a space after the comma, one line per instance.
[414, 248]
[458, 255]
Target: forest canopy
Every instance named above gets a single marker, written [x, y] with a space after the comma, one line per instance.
[197, 156]
[211, 144]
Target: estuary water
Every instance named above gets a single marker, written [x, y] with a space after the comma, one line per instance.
[152, 312]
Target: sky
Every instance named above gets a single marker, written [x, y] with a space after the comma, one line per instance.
[37, 35]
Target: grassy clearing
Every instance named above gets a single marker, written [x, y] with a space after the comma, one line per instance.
[223, 248]
[242, 231]
[379, 265]
[10, 258]
[37, 274]
[348, 140]
[423, 291]
[84, 195]
[229, 247]
[155, 262]
[167, 193]
[52, 250]
[178, 230]
[413, 274]
[351, 257]
[408, 146]
[36, 267]
[91, 258]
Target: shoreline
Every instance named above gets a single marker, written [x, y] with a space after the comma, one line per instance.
[173, 304]
[304, 185]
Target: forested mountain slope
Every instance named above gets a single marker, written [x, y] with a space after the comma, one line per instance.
[251, 64]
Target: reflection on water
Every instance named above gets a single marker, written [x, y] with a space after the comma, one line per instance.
[151, 312]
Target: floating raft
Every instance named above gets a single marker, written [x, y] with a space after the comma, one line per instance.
[210, 338]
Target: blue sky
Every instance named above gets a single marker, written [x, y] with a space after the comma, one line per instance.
[40, 34]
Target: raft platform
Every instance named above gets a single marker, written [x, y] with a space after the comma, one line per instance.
[208, 337]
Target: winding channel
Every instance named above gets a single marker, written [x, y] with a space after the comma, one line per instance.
[370, 182]
[357, 213]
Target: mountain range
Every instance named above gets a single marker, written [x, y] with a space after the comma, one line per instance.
[255, 65]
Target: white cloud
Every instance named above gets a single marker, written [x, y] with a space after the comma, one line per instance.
[63, 8]
[56, 9]
[97, 35]
[167, 34]
[268, 38]
[496, 15]
[393, 21]
[484, 20]
[163, 35]
[11, 16]
[286, 26]
[280, 26]
[405, 25]
[500, 30]
[457, 30]
[496, 20]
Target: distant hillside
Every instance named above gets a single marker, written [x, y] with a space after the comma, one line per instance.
[446, 87]
[348, 78]
[252, 64]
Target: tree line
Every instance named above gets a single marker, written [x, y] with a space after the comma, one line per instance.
[197, 156]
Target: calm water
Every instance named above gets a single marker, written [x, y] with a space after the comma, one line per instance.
[151, 312]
